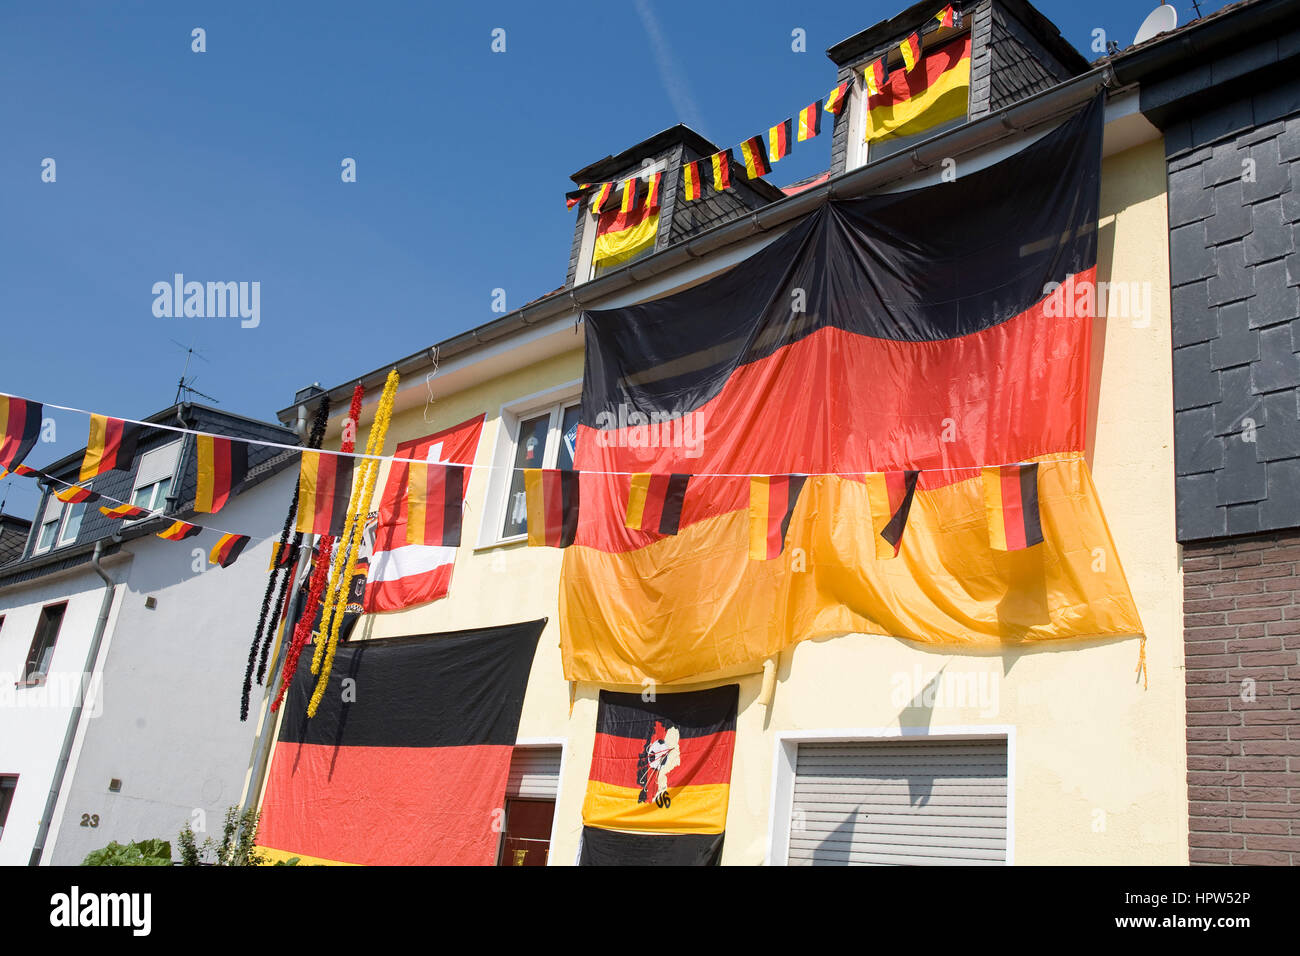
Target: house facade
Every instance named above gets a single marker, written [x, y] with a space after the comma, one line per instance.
[865, 748]
[122, 659]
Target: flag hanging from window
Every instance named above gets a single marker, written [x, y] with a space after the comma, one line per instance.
[836, 98]
[324, 491]
[913, 102]
[222, 468]
[911, 50]
[652, 190]
[111, 446]
[779, 139]
[891, 349]
[1011, 506]
[601, 194]
[401, 574]
[629, 195]
[411, 767]
[890, 494]
[755, 156]
[627, 232]
[810, 121]
[772, 500]
[20, 427]
[691, 181]
[76, 495]
[721, 170]
[660, 778]
[179, 531]
[124, 511]
[552, 498]
[227, 549]
[654, 502]
[434, 497]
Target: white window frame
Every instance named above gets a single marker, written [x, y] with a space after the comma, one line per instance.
[563, 744]
[62, 540]
[57, 542]
[170, 476]
[553, 400]
[786, 752]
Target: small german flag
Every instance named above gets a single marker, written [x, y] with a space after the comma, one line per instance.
[654, 502]
[124, 511]
[911, 50]
[779, 139]
[179, 531]
[772, 500]
[281, 556]
[20, 427]
[324, 489]
[652, 192]
[76, 495]
[890, 494]
[810, 121]
[602, 194]
[721, 170]
[691, 180]
[23, 471]
[435, 494]
[875, 75]
[111, 446]
[1011, 505]
[552, 498]
[222, 468]
[836, 98]
[948, 17]
[755, 155]
[227, 549]
[629, 195]
[573, 197]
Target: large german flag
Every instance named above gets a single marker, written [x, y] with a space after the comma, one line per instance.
[408, 768]
[222, 468]
[660, 767]
[20, 427]
[924, 308]
[111, 446]
[912, 101]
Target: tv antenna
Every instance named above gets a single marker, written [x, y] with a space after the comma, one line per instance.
[185, 384]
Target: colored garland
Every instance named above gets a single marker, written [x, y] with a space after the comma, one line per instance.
[316, 587]
[316, 435]
[352, 535]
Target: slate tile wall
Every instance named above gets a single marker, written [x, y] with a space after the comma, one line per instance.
[1234, 218]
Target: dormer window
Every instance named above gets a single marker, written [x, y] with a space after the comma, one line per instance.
[628, 226]
[911, 106]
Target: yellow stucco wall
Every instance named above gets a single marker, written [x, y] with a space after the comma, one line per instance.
[1099, 762]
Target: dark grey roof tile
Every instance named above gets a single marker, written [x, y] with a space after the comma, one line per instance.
[1234, 280]
[1197, 513]
[1269, 177]
[1189, 200]
[1240, 410]
[1243, 519]
[1231, 219]
[1197, 449]
[1270, 237]
[1278, 366]
[1237, 343]
[1280, 435]
[1282, 507]
[1193, 319]
[1195, 383]
[1274, 301]
[1189, 259]
[1225, 165]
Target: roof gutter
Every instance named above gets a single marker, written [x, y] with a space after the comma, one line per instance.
[1025, 114]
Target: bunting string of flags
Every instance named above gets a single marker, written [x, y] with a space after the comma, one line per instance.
[757, 158]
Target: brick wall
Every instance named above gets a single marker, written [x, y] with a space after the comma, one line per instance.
[1242, 607]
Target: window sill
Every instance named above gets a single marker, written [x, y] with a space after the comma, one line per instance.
[503, 543]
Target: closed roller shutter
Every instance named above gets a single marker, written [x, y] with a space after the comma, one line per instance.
[534, 773]
[900, 802]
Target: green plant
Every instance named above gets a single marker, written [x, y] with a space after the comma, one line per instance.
[237, 846]
[141, 853]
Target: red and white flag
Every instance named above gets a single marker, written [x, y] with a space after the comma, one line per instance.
[401, 574]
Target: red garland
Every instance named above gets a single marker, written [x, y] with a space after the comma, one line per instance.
[320, 573]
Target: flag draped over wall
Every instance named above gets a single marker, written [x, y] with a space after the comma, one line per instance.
[907, 331]
[403, 574]
[411, 765]
[660, 778]
[913, 100]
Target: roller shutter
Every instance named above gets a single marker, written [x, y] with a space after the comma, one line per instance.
[534, 773]
[900, 802]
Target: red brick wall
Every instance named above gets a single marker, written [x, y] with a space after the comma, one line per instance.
[1242, 619]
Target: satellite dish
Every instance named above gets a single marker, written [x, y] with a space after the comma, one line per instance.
[1160, 20]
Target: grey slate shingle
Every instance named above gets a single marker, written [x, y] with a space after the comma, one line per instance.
[1239, 406]
[1233, 279]
[1231, 219]
[1189, 259]
[1270, 237]
[1198, 448]
[1280, 436]
[1189, 200]
[1281, 509]
[1271, 176]
[1274, 301]
[1237, 343]
[1193, 319]
[1196, 384]
[1278, 367]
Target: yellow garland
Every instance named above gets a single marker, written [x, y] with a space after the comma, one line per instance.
[353, 531]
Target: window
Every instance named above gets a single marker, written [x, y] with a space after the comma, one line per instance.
[612, 240]
[547, 439]
[71, 523]
[531, 789]
[153, 477]
[8, 784]
[48, 534]
[42, 650]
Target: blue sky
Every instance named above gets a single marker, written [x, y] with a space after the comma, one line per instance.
[225, 166]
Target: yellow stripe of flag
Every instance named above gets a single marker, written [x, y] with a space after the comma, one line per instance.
[992, 479]
[636, 500]
[698, 808]
[759, 489]
[536, 507]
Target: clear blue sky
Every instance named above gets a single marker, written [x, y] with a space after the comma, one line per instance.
[225, 166]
